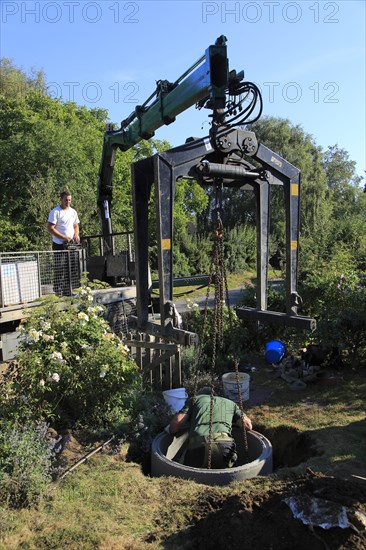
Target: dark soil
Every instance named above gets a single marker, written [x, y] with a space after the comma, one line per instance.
[290, 446]
[259, 519]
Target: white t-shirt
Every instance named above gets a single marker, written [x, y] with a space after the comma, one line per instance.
[64, 220]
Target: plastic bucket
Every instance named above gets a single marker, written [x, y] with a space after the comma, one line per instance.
[230, 385]
[274, 351]
[175, 399]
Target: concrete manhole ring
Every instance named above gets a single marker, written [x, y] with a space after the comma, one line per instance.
[260, 456]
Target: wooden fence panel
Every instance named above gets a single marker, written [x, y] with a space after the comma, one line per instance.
[158, 360]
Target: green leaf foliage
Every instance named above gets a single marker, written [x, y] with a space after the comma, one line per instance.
[46, 147]
[25, 463]
[300, 149]
[71, 368]
[335, 294]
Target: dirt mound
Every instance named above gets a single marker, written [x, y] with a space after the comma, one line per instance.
[260, 518]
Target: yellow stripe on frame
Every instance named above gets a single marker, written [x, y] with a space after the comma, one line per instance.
[295, 189]
[293, 245]
[166, 244]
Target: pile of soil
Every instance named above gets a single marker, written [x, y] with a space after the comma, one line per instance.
[260, 519]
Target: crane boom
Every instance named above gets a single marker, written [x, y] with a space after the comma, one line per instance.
[206, 81]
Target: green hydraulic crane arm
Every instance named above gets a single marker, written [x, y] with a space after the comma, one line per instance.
[207, 79]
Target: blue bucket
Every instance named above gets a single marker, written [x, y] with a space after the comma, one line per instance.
[274, 351]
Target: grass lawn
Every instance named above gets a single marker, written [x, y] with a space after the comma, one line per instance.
[234, 280]
[108, 502]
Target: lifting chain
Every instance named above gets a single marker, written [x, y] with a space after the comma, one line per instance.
[245, 438]
[218, 321]
[218, 269]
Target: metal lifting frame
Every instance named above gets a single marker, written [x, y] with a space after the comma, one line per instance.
[217, 157]
[205, 160]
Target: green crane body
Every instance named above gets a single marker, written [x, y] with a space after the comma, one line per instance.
[207, 79]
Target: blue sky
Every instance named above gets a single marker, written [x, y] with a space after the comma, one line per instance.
[308, 58]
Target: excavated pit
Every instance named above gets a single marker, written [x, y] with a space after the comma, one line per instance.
[291, 447]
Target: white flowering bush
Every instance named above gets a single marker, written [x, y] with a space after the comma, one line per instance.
[71, 367]
[192, 305]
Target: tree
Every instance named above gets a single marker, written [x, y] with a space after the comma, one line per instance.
[340, 169]
[46, 146]
[12, 237]
[348, 203]
[15, 82]
[299, 148]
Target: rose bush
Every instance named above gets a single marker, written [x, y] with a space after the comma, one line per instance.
[70, 367]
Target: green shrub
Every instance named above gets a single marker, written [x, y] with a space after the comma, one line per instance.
[334, 292]
[25, 463]
[149, 416]
[276, 300]
[71, 368]
[240, 248]
[238, 343]
[192, 255]
[338, 301]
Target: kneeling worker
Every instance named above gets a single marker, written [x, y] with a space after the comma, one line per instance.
[225, 414]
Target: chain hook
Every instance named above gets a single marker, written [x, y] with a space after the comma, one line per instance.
[219, 187]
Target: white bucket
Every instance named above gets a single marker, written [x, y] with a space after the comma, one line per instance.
[231, 386]
[175, 398]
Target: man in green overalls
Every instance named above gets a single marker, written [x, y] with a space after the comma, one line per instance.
[196, 412]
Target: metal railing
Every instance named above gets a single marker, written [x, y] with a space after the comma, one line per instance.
[121, 242]
[27, 276]
[111, 259]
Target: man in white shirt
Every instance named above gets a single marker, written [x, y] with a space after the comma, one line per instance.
[63, 225]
